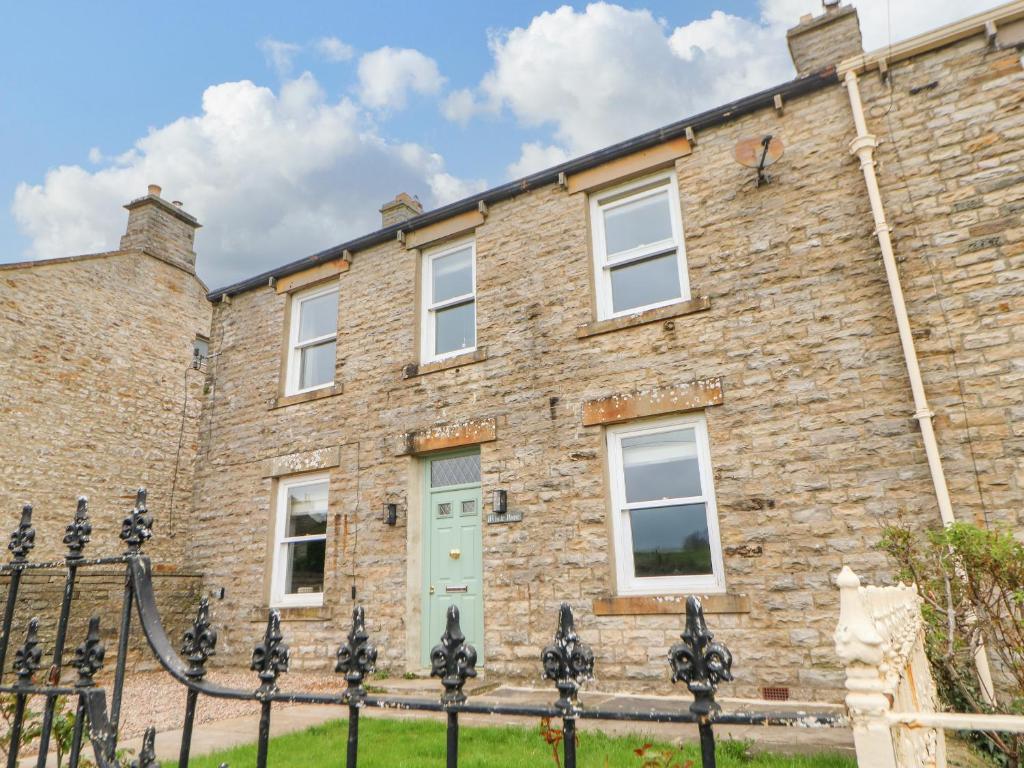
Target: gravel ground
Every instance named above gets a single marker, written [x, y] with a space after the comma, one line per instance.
[155, 698]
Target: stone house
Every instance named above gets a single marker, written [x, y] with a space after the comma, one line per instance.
[99, 395]
[648, 372]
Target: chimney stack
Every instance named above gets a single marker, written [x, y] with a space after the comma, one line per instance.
[161, 229]
[402, 208]
[821, 41]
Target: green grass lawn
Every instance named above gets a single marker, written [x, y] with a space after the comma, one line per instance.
[420, 744]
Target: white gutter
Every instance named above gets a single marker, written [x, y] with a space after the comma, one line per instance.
[863, 146]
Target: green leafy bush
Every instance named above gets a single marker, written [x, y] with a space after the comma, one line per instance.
[972, 582]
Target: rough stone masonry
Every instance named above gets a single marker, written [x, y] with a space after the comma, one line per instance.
[788, 346]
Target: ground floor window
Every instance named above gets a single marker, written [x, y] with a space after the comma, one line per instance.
[300, 542]
[664, 518]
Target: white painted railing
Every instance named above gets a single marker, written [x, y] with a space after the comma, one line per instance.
[891, 697]
[880, 640]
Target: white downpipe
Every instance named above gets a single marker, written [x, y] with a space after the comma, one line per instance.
[864, 148]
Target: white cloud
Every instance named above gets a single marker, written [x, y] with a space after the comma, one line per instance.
[279, 54]
[95, 155]
[333, 49]
[535, 156]
[605, 73]
[387, 75]
[460, 106]
[273, 177]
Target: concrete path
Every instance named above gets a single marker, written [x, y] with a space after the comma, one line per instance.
[222, 734]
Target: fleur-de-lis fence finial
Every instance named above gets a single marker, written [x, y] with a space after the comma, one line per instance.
[147, 755]
[137, 526]
[568, 661]
[698, 661]
[453, 660]
[79, 530]
[24, 537]
[199, 642]
[270, 656]
[356, 658]
[88, 659]
[27, 657]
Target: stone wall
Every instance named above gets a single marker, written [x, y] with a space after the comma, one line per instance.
[97, 392]
[814, 446]
[101, 591]
[951, 166]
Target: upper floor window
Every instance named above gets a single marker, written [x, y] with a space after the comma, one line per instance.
[638, 246]
[312, 338]
[449, 301]
[664, 518]
[300, 542]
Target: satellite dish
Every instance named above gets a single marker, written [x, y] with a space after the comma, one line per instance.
[758, 152]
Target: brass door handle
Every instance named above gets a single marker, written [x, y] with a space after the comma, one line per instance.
[454, 554]
[431, 589]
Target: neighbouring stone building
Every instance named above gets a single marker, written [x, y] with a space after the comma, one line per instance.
[629, 378]
[98, 395]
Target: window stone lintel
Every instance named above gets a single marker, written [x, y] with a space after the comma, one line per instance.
[452, 435]
[303, 461]
[655, 401]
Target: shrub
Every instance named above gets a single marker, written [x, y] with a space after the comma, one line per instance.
[972, 582]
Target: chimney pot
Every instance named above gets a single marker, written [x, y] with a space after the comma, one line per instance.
[154, 189]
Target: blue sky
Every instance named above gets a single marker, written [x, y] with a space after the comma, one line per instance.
[438, 99]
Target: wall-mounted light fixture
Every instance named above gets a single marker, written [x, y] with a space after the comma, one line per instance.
[499, 502]
[390, 513]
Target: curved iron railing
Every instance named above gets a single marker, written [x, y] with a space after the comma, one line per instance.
[697, 660]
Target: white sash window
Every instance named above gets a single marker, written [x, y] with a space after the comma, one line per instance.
[639, 257]
[663, 504]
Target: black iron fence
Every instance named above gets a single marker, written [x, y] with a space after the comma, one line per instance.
[697, 660]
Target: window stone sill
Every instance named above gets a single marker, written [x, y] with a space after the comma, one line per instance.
[645, 605]
[412, 370]
[305, 397]
[678, 309]
[295, 613]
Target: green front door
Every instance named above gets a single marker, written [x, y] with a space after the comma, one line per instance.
[453, 568]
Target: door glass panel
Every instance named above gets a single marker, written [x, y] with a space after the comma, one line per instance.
[304, 574]
[671, 541]
[641, 283]
[452, 275]
[444, 510]
[317, 365]
[662, 465]
[458, 470]
[307, 510]
[455, 328]
[637, 223]
[469, 508]
[318, 317]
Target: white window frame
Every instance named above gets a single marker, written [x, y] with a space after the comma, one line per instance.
[613, 197]
[627, 582]
[428, 322]
[278, 598]
[295, 347]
